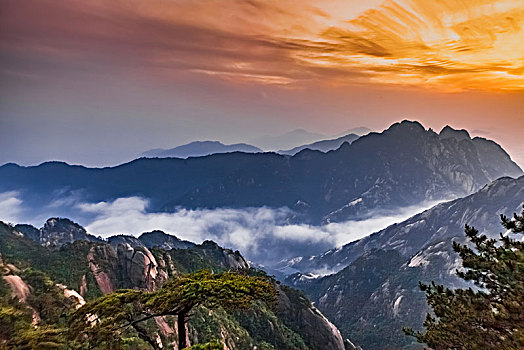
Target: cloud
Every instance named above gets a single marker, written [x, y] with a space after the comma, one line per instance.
[448, 44]
[10, 207]
[261, 234]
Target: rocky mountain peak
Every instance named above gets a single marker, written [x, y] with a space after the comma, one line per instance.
[29, 231]
[406, 126]
[125, 240]
[60, 224]
[459, 135]
[160, 239]
[59, 231]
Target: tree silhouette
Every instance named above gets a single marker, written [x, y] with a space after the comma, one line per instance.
[491, 317]
[104, 320]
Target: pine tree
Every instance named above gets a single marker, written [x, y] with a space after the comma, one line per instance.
[492, 316]
[104, 321]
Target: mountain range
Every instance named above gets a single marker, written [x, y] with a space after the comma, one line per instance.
[368, 288]
[370, 295]
[404, 165]
[46, 276]
[374, 281]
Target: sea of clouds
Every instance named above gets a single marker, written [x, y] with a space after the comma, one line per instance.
[263, 235]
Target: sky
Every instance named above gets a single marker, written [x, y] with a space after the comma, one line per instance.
[99, 82]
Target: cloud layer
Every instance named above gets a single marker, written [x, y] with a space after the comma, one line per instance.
[263, 235]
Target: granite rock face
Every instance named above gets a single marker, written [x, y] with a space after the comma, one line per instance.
[123, 262]
[57, 232]
[323, 335]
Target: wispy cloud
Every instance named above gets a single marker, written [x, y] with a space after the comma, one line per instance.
[448, 44]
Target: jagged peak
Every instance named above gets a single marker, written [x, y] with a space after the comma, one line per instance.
[157, 232]
[499, 184]
[56, 222]
[407, 125]
[459, 135]
[210, 244]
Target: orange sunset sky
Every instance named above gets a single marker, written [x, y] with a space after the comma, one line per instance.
[98, 82]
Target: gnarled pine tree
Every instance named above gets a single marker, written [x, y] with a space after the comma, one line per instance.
[493, 316]
[103, 321]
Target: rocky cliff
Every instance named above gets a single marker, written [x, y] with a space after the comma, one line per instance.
[82, 270]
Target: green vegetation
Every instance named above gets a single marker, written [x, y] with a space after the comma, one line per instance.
[62, 265]
[125, 309]
[491, 317]
[245, 324]
[215, 345]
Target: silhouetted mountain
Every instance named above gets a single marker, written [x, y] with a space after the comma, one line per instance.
[404, 165]
[200, 149]
[288, 140]
[375, 287]
[322, 146]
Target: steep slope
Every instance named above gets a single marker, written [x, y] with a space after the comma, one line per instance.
[405, 165]
[442, 222]
[376, 286]
[51, 281]
[200, 149]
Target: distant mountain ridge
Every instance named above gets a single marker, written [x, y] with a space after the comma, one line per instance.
[404, 165]
[200, 149]
[322, 146]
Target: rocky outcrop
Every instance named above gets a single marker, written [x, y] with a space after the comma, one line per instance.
[226, 258]
[78, 300]
[56, 232]
[298, 311]
[29, 231]
[131, 241]
[137, 267]
[162, 240]
[102, 278]
[19, 288]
